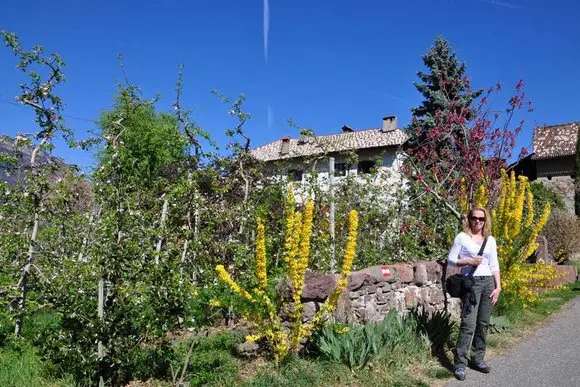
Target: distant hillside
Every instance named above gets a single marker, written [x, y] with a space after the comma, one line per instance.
[22, 155]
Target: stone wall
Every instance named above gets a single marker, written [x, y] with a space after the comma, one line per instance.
[568, 274]
[372, 292]
[564, 185]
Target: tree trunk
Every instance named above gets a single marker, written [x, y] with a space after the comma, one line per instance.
[23, 282]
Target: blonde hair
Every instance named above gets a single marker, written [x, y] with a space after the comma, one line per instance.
[486, 226]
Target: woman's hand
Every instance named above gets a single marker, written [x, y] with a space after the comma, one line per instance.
[476, 260]
[494, 295]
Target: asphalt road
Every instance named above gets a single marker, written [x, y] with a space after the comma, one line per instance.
[549, 358]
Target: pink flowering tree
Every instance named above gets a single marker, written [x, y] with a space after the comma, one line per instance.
[459, 139]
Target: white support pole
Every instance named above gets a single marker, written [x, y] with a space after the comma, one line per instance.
[331, 220]
[101, 313]
[160, 239]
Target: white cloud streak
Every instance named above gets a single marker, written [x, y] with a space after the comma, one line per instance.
[500, 4]
[266, 28]
[393, 97]
[270, 116]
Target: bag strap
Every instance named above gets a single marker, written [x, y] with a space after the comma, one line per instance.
[473, 268]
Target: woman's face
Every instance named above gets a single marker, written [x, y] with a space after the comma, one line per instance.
[477, 221]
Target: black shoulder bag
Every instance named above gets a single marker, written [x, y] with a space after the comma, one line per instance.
[458, 285]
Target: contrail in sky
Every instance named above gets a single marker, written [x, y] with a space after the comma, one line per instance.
[270, 116]
[503, 4]
[266, 27]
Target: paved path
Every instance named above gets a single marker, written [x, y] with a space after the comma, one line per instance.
[549, 358]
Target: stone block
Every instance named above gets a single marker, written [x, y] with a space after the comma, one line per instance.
[542, 250]
[420, 274]
[379, 274]
[247, 350]
[344, 311]
[372, 289]
[357, 279]
[404, 271]
[412, 299]
[318, 286]
[434, 270]
[310, 309]
[386, 286]
[383, 298]
[436, 295]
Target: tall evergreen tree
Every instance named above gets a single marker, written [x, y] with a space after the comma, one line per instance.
[446, 90]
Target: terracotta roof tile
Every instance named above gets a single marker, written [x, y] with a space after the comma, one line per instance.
[361, 139]
[555, 141]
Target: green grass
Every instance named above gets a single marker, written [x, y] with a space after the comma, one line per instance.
[20, 366]
[213, 362]
[314, 372]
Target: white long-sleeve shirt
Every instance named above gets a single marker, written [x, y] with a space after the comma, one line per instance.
[465, 247]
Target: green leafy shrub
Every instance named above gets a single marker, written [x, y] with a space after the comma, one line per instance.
[211, 360]
[544, 195]
[151, 362]
[498, 324]
[438, 327]
[394, 341]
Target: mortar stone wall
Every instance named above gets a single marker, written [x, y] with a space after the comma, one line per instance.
[372, 292]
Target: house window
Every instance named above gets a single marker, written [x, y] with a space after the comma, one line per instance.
[295, 174]
[340, 169]
[367, 166]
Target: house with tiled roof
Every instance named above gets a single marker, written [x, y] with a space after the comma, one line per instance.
[351, 152]
[555, 156]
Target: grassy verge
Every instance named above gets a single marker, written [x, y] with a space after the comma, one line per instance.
[213, 363]
[20, 365]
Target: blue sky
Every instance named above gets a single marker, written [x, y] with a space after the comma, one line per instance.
[322, 63]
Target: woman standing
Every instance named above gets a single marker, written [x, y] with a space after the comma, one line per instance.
[486, 288]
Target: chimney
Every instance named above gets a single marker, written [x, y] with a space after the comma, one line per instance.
[347, 129]
[285, 146]
[389, 124]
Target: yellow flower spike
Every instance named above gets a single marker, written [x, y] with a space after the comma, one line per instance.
[351, 242]
[480, 197]
[306, 235]
[253, 338]
[304, 253]
[261, 255]
[530, 208]
[536, 230]
[518, 209]
[224, 276]
[349, 255]
[290, 223]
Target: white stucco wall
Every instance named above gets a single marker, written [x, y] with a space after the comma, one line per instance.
[388, 170]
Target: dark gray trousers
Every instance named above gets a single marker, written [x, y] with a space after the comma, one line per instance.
[473, 328]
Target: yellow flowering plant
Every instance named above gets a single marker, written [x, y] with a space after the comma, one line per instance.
[516, 228]
[261, 306]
